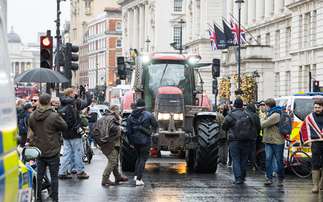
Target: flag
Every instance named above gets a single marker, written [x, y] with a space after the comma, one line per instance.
[228, 34]
[220, 38]
[212, 39]
[235, 32]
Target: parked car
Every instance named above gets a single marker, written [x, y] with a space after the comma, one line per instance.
[102, 108]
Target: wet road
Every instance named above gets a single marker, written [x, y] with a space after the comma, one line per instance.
[168, 179]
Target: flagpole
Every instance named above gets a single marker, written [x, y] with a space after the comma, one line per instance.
[218, 26]
[245, 30]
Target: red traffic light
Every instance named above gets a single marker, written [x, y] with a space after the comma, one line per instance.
[316, 83]
[45, 41]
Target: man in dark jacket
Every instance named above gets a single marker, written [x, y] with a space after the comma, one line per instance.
[72, 139]
[251, 109]
[137, 139]
[28, 109]
[239, 150]
[45, 124]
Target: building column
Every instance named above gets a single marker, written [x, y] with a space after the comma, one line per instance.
[269, 4]
[260, 8]
[251, 12]
[19, 67]
[229, 8]
[147, 28]
[130, 28]
[279, 4]
[141, 27]
[244, 13]
[135, 28]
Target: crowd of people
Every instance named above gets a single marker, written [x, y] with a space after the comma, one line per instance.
[47, 123]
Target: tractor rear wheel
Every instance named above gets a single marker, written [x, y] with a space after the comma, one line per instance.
[128, 155]
[208, 146]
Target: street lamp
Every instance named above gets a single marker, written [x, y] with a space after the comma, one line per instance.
[147, 41]
[130, 51]
[239, 91]
[180, 39]
[256, 77]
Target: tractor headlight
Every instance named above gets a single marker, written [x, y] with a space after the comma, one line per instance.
[145, 59]
[163, 116]
[178, 116]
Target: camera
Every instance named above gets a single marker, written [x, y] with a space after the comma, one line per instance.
[79, 130]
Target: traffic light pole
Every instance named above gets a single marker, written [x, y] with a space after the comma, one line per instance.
[57, 44]
[48, 84]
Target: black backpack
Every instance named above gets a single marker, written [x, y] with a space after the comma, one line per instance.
[243, 127]
[285, 125]
[68, 113]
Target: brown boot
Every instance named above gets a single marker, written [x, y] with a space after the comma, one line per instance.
[109, 182]
[316, 179]
[122, 179]
[64, 177]
[83, 175]
[321, 182]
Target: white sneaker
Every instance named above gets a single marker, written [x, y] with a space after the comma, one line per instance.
[135, 178]
[139, 183]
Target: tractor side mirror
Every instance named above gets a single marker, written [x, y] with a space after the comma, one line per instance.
[121, 68]
[215, 67]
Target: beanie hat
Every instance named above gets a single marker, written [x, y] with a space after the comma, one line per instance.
[141, 103]
[44, 99]
[113, 108]
[27, 106]
[238, 103]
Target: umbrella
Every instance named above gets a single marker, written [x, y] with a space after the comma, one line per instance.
[41, 75]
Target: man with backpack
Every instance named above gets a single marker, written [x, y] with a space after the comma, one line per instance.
[69, 110]
[23, 123]
[139, 139]
[274, 141]
[239, 124]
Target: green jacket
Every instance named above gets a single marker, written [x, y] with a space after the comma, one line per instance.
[46, 125]
[271, 133]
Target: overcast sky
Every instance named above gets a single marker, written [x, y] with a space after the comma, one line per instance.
[28, 17]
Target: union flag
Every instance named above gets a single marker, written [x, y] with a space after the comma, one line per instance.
[235, 33]
[212, 39]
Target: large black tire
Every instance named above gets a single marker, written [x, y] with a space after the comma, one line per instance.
[208, 146]
[128, 155]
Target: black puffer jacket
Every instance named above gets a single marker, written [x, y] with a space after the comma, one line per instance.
[229, 122]
[80, 105]
[251, 109]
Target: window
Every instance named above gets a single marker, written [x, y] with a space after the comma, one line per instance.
[177, 36]
[89, 4]
[85, 4]
[118, 43]
[118, 26]
[177, 5]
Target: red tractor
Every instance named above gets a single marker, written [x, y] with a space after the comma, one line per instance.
[172, 88]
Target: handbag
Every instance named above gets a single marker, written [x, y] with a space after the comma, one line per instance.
[143, 129]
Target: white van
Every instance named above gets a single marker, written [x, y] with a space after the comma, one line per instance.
[117, 93]
[298, 106]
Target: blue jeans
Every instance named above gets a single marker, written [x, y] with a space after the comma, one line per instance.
[90, 137]
[239, 152]
[275, 166]
[278, 152]
[72, 146]
[72, 162]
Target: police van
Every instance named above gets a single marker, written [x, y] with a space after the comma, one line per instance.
[299, 106]
[17, 178]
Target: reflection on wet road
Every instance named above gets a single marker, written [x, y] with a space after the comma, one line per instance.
[168, 179]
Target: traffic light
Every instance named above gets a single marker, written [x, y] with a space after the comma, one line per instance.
[46, 51]
[121, 68]
[68, 59]
[316, 86]
[214, 86]
[215, 67]
[118, 81]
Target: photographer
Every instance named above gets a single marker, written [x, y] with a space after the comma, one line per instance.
[70, 111]
[95, 115]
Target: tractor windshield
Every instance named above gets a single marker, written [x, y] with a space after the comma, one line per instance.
[178, 75]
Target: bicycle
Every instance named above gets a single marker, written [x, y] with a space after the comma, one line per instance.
[299, 161]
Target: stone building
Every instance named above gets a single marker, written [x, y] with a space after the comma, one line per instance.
[22, 57]
[98, 54]
[81, 12]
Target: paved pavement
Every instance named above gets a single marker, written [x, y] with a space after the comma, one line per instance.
[168, 179]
